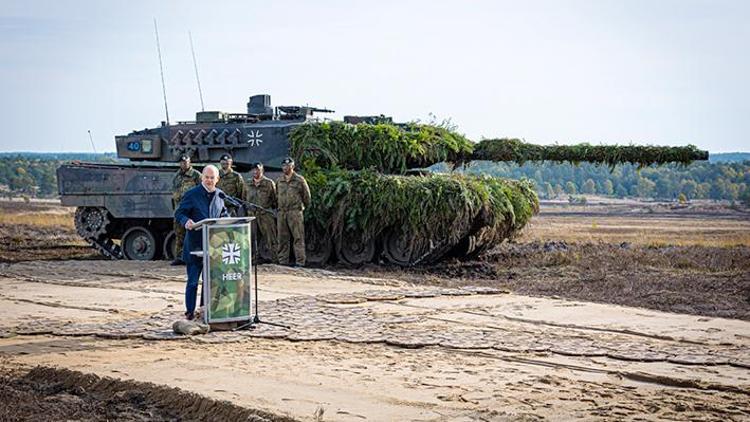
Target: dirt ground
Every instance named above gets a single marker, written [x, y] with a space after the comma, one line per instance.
[694, 261]
[700, 280]
[589, 322]
[60, 394]
[359, 348]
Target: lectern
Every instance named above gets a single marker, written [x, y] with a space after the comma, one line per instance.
[227, 269]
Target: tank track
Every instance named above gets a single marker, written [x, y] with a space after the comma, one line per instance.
[91, 224]
[107, 247]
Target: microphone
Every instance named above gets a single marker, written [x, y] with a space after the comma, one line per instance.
[231, 199]
[236, 202]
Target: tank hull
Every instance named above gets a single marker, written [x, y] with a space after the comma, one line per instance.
[116, 202]
[126, 212]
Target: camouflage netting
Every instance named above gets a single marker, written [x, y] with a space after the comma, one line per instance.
[356, 175]
[433, 213]
[388, 148]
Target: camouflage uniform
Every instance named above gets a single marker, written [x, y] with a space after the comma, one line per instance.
[233, 184]
[293, 197]
[182, 182]
[264, 195]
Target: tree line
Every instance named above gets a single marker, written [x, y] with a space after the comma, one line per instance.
[35, 174]
[699, 180]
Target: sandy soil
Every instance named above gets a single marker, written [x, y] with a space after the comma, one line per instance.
[399, 352]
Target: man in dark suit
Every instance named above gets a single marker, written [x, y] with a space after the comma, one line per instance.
[201, 202]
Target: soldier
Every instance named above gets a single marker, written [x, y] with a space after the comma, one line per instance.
[185, 179]
[261, 191]
[293, 197]
[231, 182]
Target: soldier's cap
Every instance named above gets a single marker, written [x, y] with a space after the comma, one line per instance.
[258, 165]
[287, 160]
[185, 158]
[226, 157]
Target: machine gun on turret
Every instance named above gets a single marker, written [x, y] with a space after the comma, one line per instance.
[299, 112]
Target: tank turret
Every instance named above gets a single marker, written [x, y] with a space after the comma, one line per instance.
[261, 134]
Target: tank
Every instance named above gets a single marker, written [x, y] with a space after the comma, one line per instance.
[373, 197]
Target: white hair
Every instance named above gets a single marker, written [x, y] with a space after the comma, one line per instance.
[211, 167]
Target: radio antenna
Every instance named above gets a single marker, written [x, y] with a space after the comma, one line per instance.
[161, 70]
[195, 65]
[92, 141]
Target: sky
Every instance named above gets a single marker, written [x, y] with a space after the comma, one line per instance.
[645, 72]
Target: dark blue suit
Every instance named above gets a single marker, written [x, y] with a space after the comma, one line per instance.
[197, 204]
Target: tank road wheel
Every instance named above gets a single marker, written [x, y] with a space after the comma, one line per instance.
[351, 249]
[168, 251]
[406, 251]
[139, 244]
[91, 222]
[396, 248]
[318, 247]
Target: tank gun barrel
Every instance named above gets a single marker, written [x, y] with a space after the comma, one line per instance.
[644, 155]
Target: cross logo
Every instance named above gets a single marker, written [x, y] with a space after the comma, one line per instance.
[230, 253]
[253, 138]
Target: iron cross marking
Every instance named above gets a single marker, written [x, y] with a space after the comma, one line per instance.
[253, 138]
[230, 253]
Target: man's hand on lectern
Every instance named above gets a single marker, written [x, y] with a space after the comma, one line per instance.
[189, 224]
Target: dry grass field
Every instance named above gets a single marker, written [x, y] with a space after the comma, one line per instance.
[656, 231]
[39, 230]
[47, 218]
[649, 226]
